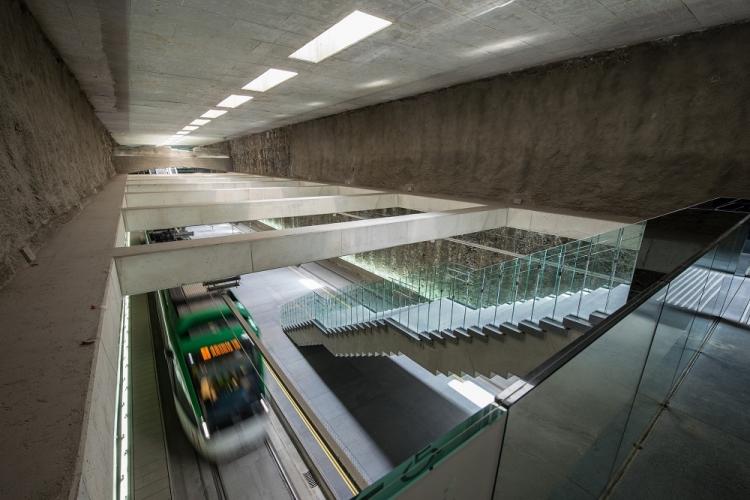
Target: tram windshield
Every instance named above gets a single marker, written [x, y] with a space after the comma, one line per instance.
[226, 383]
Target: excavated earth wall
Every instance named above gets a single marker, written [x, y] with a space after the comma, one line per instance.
[54, 151]
[636, 131]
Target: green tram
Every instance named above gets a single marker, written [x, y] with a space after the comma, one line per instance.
[216, 371]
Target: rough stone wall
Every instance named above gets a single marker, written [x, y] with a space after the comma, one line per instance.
[266, 153]
[53, 149]
[636, 131]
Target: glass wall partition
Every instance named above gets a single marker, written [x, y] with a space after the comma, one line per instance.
[582, 415]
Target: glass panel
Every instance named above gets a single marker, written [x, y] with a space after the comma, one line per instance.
[691, 294]
[548, 284]
[564, 280]
[562, 437]
[662, 365]
[484, 428]
[599, 268]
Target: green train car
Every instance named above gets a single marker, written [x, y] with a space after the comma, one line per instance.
[216, 371]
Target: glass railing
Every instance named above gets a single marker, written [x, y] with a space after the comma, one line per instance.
[569, 428]
[476, 437]
[576, 278]
[576, 422]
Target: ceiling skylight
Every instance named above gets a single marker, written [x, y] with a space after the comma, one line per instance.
[213, 113]
[345, 33]
[269, 79]
[189, 127]
[233, 101]
[199, 122]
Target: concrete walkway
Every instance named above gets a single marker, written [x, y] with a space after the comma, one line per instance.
[50, 315]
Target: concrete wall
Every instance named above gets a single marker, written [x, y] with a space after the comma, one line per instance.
[53, 149]
[94, 465]
[635, 131]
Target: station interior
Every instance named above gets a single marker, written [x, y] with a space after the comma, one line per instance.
[425, 249]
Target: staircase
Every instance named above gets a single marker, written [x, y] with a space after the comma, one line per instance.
[502, 320]
[500, 348]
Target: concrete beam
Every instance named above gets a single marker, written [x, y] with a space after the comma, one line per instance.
[227, 195]
[153, 267]
[128, 164]
[567, 225]
[160, 217]
[432, 204]
[226, 184]
[197, 178]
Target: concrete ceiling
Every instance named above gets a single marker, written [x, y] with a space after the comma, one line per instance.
[150, 67]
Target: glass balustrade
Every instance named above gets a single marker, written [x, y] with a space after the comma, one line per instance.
[570, 432]
[570, 427]
[576, 278]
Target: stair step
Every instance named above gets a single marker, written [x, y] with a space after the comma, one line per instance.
[411, 334]
[424, 335]
[552, 325]
[597, 317]
[493, 331]
[477, 332]
[449, 334]
[510, 329]
[529, 327]
[461, 332]
[436, 335]
[576, 323]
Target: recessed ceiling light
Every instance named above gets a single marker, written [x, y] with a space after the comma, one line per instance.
[503, 45]
[269, 79]
[350, 30]
[183, 132]
[189, 127]
[199, 122]
[233, 101]
[213, 113]
[376, 83]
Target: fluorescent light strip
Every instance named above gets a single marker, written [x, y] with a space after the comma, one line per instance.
[269, 80]
[345, 33]
[189, 127]
[233, 101]
[199, 122]
[183, 132]
[213, 113]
